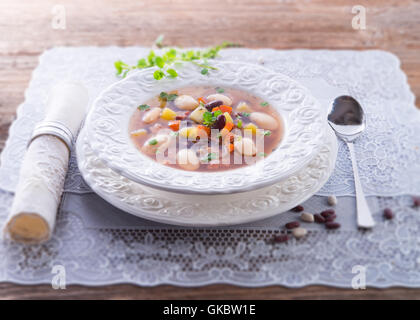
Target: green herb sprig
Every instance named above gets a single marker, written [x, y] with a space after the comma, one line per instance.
[209, 118]
[166, 61]
[153, 142]
[167, 96]
[267, 133]
[209, 157]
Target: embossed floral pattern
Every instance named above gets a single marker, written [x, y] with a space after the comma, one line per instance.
[109, 139]
[198, 211]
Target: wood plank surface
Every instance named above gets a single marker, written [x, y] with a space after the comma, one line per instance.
[26, 30]
[213, 292]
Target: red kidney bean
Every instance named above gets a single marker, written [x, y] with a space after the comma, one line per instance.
[180, 117]
[388, 214]
[292, 225]
[213, 104]
[328, 212]
[220, 122]
[332, 225]
[298, 209]
[331, 217]
[318, 218]
[281, 238]
[416, 202]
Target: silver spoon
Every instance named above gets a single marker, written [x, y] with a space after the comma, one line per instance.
[347, 119]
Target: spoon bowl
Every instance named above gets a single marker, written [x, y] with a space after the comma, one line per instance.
[347, 118]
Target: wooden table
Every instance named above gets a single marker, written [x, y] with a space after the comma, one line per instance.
[26, 30]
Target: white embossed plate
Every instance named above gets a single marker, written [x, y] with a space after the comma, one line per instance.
[206, 210]
[108, 119]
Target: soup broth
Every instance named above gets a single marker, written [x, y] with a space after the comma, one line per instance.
[204, 128]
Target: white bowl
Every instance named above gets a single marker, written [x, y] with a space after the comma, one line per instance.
[206, 210]
[108, 133]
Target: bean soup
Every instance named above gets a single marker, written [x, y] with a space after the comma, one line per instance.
[205, 128]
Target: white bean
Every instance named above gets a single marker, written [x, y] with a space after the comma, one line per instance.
[159, 142]
[188, 160]
[307, 217]
[332, 200]
[245, 146]
[197, 114]
[217, 96]
[299, 232]
[186, 102]
[264, 121]
[152, 115]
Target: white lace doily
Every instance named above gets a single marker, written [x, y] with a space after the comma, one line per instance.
[97, 244]
[157, 254]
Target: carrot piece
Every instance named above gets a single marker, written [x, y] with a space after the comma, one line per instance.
[201, 99]
[215, 109]
[201, 128]
[231, 147]
[224, 109]
[229, 126]
[174, 125]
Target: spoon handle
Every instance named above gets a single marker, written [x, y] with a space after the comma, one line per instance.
[364, 216]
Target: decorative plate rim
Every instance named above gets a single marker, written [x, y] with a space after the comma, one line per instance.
[301, 112]
[169, 211]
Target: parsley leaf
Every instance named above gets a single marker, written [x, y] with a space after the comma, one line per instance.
[220, 90]
[239, 124]
[167, 96]
[172, 73]
[210, 156]
[267, 133]
[119, 66]
[143, 107]
[245, 114]
[172, 96]
[151, 57]
[158, 74]
[159, 62]
[208, 119]
[170, 57]
[217, 113]
[163, 96]
[153, 142]
[141, 63]
[264, 104]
